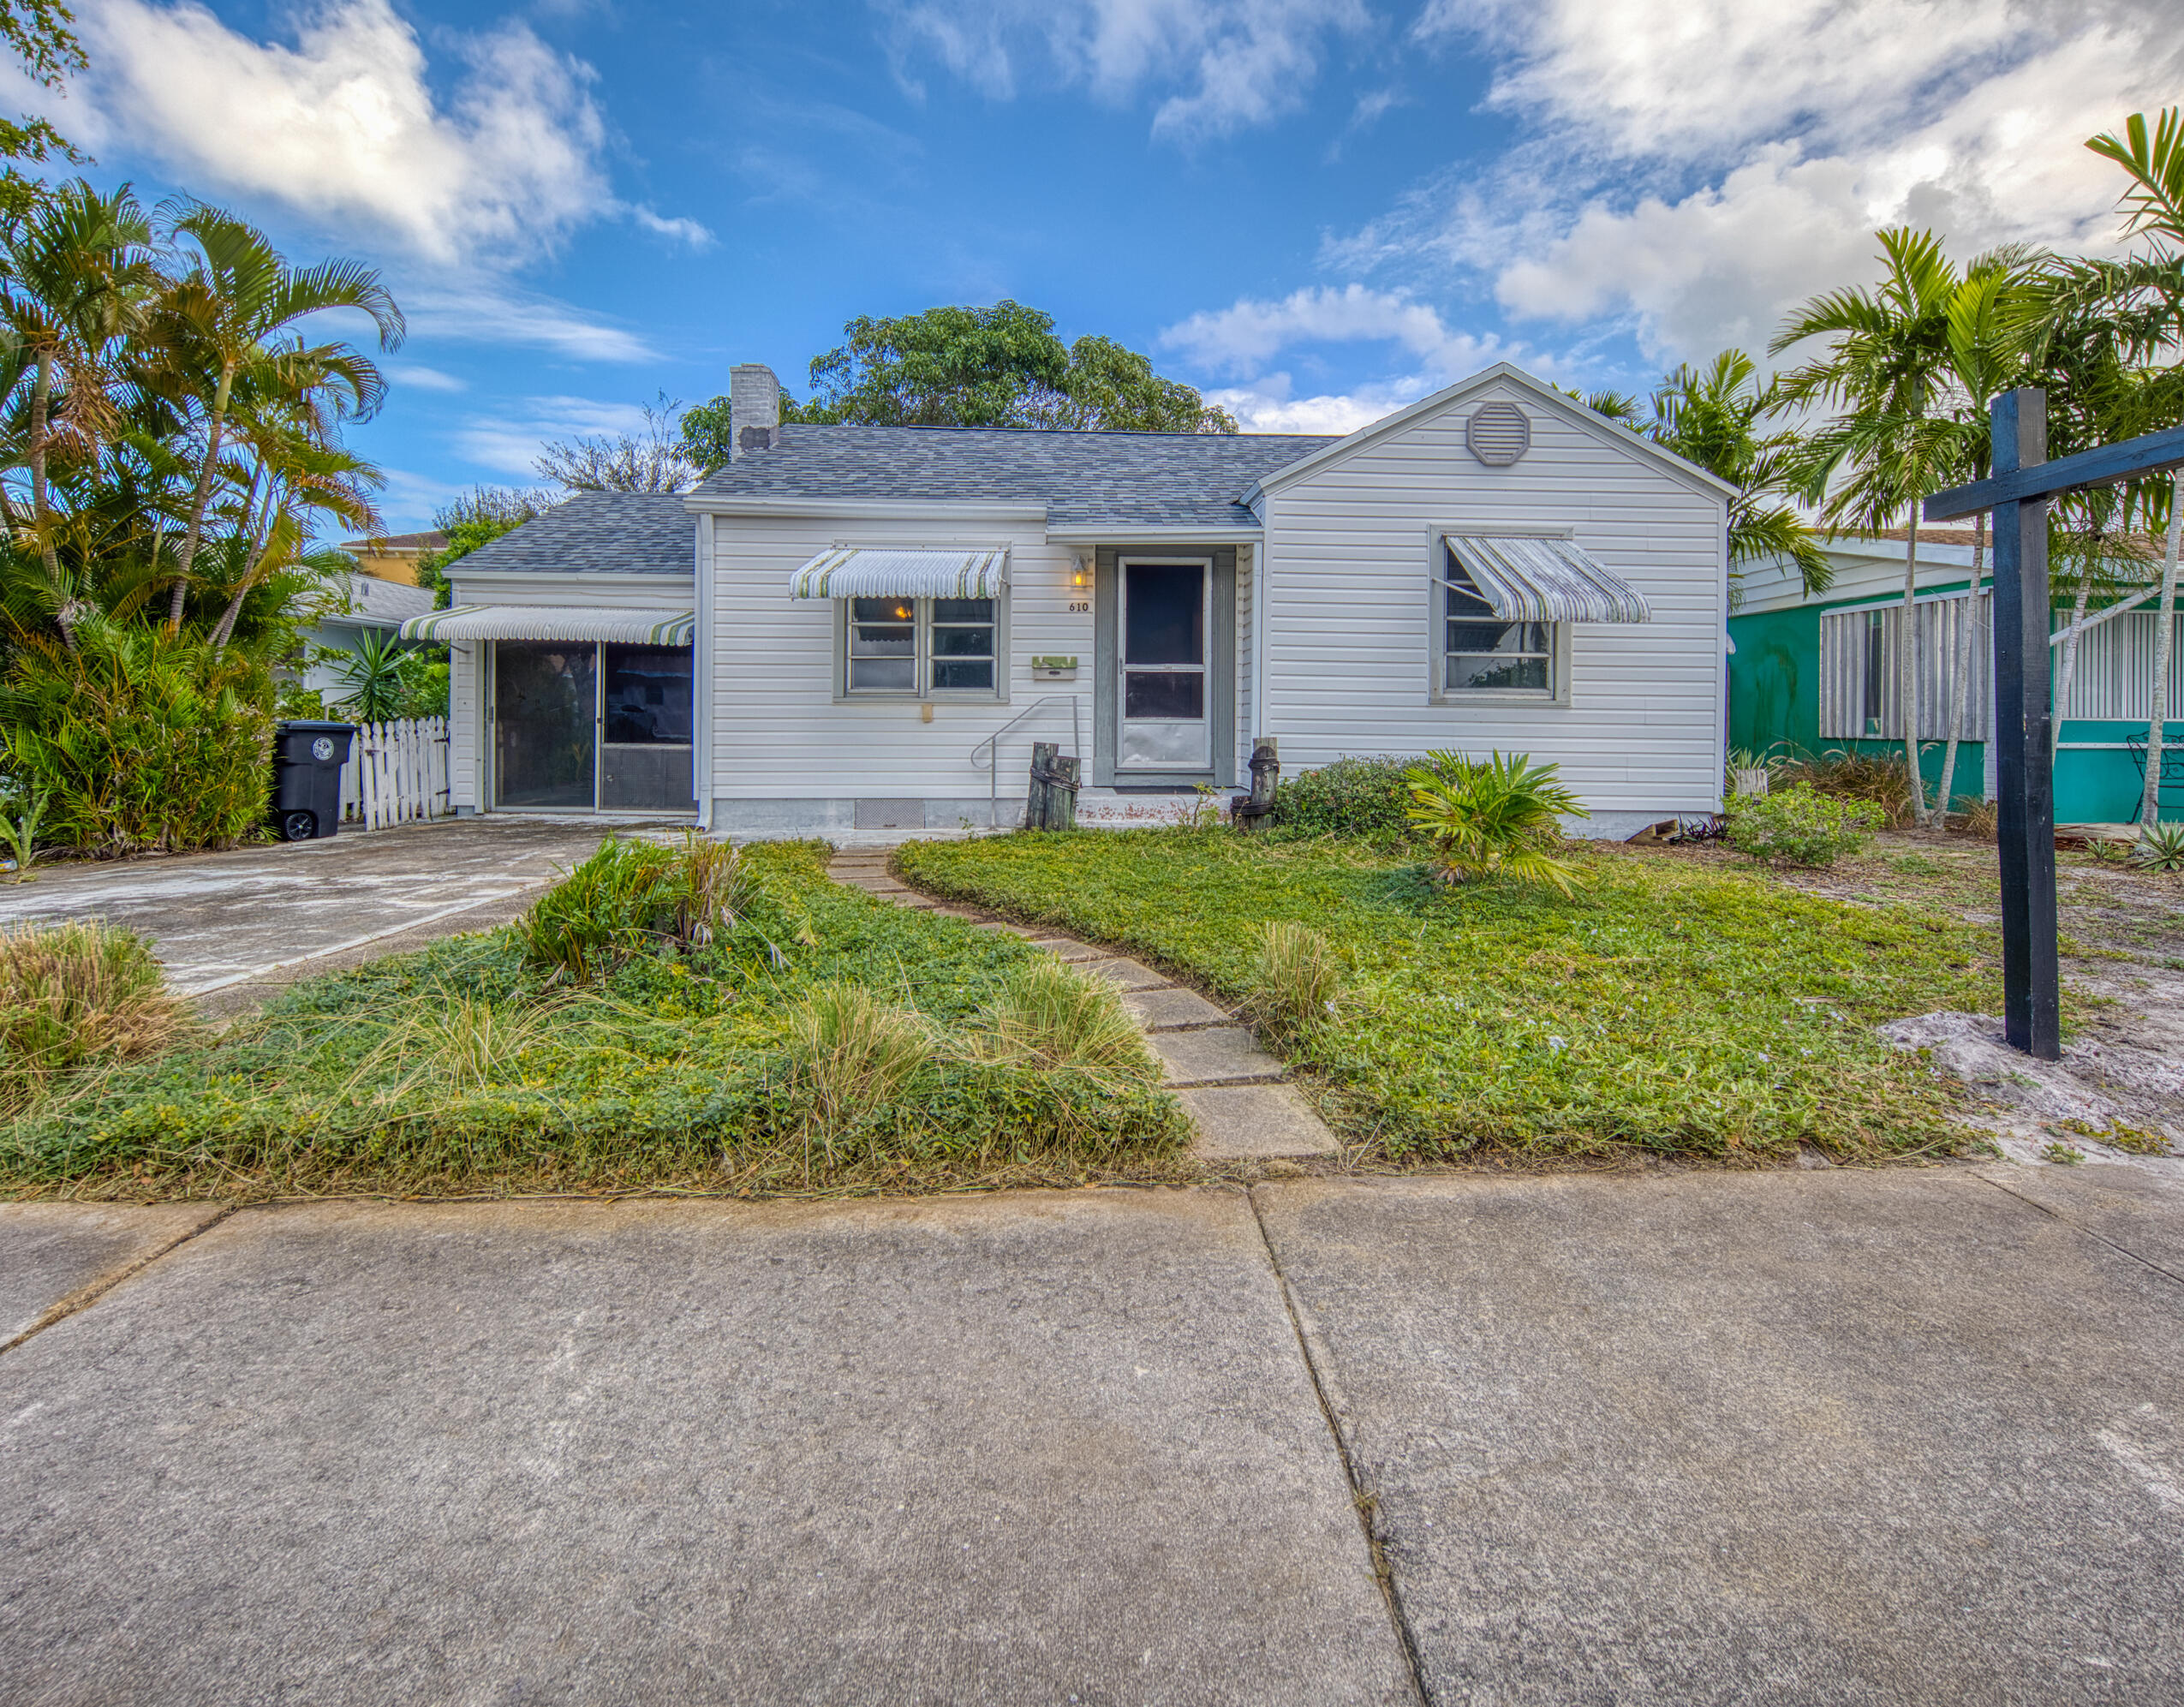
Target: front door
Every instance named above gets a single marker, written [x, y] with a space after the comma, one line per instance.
[1165, 616]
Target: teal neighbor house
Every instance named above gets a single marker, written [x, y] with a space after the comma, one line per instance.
[1807, 676]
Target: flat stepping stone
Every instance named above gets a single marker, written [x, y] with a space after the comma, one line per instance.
[1216, 1054]
[1156, 1009]
[1127, 973]
[1254, 1123]
[1069, 949]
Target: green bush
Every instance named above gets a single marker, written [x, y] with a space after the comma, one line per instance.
[1369, 799]
[143, 739]
[628, 897]
[1496, 817]
[1799, 825]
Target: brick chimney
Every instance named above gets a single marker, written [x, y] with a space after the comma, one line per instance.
[754, 407]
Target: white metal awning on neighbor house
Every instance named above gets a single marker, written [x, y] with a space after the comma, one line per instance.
[554, 621]
[901, 572]
[1543, 578]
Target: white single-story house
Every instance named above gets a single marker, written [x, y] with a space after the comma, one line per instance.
[840, 629]
[349, 606]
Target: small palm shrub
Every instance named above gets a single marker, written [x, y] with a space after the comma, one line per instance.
[1296, 980]
[1369, 799]
[630, 896]
[142, 739]
[1878, 778]
[75, 995]
[852, 1053]
[2160, 847]
[1799, 825]
[1048, 1015]
[1494, 817]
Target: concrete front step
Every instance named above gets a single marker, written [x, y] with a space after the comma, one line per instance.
[1214, 1054]
[1254, 1123]
[1159, 1010]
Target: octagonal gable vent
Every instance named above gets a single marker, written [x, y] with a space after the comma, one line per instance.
[1498, 433]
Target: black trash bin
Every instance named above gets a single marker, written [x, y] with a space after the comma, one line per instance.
[308, 758]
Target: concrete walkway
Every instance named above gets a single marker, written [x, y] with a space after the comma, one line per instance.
[1788, 1437]
[258, 916]
[1240, 1104]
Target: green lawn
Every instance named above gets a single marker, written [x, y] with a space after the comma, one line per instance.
[1679, 1007]
[457, 1069]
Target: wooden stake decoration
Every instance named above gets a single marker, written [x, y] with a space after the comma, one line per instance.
[2017, 493]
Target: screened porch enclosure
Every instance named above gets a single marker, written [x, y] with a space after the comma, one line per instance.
[604, 726]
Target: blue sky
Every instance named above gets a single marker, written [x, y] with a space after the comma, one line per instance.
[1317, 210]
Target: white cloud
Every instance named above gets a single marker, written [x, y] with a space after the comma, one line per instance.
[508, 441]
[1268, 407]
[489, 311]
[344, 126]
[1242, 337]
[1696, 167]
[1221, 64]
[424, 378]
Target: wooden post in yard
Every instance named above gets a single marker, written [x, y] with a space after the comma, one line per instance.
[1061, 793]
[1035, 805]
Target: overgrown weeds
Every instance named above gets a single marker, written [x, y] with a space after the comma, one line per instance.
[628, 897]
[1878, 778]
[72, 996]
[1296, 980]
[852, 1053]
[1048, 1014]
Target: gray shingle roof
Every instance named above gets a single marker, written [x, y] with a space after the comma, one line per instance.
[627, 533]
[1142, 479]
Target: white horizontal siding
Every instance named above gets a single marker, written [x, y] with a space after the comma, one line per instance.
[595, 591]
[1344, 578]
[778, 733]
[466, 701]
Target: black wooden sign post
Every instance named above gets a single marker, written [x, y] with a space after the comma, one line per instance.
[2018, 494]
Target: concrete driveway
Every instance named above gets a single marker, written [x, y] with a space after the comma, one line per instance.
[1792, 1437]
[222, 920]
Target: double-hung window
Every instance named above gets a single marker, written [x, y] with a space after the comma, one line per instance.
[920, 649]
[1481, 653]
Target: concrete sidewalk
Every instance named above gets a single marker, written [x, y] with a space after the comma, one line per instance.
[1802, 1437]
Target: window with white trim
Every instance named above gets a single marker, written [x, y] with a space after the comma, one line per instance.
[1480, 653]
[920, 649]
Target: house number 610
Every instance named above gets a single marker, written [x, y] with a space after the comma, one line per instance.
[1080, 604]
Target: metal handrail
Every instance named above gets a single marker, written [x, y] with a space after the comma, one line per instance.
[991, 747]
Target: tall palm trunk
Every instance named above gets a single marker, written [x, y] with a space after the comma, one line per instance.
[2164, 635]
[1906, 671]
[41, 413]
[1960, 681]
[201, 497]
[2070, 649]
[260, 535]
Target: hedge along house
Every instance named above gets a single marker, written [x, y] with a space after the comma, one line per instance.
[1812, 674]
[848, 627]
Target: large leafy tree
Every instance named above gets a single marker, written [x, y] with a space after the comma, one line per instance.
[1002, 366]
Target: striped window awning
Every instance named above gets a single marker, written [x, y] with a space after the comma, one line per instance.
[1540, 578]
[901, 572]
[553, 622]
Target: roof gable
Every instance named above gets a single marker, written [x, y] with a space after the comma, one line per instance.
[1502, 372]
[620, 532]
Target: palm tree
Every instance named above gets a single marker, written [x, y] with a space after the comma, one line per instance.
[1901, 425]
[76, 271]
[220, 315]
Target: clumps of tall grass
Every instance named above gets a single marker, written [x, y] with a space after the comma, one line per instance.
[852, 1054]
[1878, 778]
[631, 897]
[455, 1043]
[1048, 1015]
[74, 996]
[1297, 979]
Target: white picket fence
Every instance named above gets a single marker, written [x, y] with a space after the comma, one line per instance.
[396, 773]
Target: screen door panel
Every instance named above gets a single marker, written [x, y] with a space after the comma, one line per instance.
[1163, 700]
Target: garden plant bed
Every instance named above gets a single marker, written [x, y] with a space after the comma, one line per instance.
[1683, 1004]
[459, 1069]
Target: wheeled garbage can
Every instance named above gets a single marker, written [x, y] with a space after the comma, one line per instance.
[308, 758]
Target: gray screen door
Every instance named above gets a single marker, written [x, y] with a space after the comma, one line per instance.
[1165, 607]
[545, 715]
